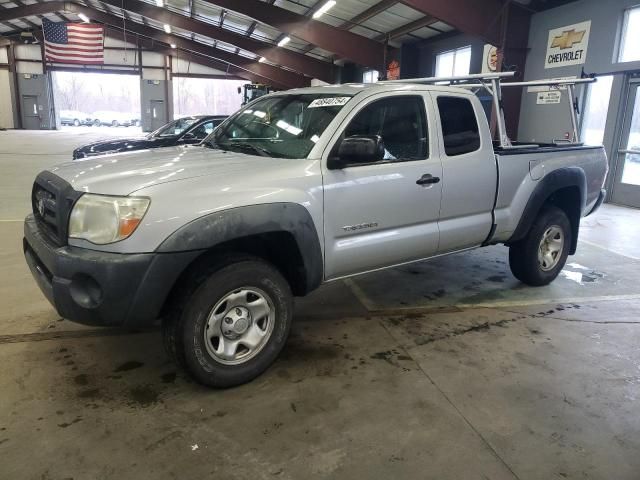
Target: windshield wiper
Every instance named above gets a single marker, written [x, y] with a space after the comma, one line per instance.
[211, 144]
[263, 152]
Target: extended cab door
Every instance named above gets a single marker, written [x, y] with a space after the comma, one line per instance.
[469, 171]
[376, 215]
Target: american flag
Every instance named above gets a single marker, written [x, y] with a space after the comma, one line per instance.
[73, 42]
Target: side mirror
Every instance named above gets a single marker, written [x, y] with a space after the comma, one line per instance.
[358, 149]
[239, 90]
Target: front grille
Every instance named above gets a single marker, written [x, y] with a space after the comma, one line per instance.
[52, 199]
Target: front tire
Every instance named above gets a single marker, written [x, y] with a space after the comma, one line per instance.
[230, 322]
[76, 123]
[540, 257]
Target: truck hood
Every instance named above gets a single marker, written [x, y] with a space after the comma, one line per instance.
[124, 173]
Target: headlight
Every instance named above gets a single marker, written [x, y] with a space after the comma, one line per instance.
[103, 219]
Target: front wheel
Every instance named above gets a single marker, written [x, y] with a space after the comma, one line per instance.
[76, 123]
[231, 322]
[540, 257]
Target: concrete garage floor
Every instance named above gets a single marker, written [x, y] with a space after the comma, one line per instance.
[448, 369]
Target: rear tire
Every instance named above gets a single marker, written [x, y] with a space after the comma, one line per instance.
[114, 123]
[540, 257]
[239, 300]
[76, 123]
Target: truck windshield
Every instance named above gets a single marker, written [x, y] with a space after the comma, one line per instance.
[284, 126]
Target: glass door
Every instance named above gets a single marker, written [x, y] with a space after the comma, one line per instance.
[626, 188]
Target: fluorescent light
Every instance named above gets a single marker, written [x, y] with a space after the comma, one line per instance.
[324, 8]
[160, 3]
[83, 17]
[289, 128]
[262, 60]
[284, 41]
[167, 28]
[172, 45]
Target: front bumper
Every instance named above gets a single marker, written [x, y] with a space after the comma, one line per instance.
[98, 288]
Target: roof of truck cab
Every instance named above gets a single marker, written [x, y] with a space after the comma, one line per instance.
[355, 88]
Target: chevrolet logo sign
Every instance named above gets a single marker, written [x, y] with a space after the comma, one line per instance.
[568, 39]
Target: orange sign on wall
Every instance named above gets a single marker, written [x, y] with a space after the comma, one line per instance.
[393, 70]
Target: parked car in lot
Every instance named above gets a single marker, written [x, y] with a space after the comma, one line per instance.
[296, 189]
[184, 131]
[74, 118]
[111, 119]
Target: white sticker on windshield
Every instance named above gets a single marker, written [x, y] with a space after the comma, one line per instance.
[329, 102]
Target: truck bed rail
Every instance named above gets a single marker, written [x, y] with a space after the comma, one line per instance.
[493, 84]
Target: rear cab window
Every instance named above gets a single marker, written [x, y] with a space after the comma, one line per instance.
[459, 123]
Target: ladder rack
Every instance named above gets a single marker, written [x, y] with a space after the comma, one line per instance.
[493, 84]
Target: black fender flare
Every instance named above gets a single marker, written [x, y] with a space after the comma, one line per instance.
[211, 230]
[550, 184]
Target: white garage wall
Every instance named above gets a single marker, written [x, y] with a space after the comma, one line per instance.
[29, 52]
[542, 123]
[114, 42]
[29, 67]
[126, 58]
[181, 66]
[6, 105]
[153, 59]
[153, 74]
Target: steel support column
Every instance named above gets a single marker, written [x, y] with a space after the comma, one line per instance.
[512, 56]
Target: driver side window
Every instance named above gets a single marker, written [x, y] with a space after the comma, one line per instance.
[401, 123]
[201, 131]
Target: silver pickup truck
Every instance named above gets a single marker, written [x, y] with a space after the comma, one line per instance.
[296, 189]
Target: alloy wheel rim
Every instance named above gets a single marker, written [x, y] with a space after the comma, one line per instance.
[550, 248]
[239, 325]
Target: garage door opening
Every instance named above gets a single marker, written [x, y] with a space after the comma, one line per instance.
[98, 100]
[205, 96]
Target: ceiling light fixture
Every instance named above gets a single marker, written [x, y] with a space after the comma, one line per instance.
[167, 28]
[83, 17]
[160, 3]
[324, 9]
[262, 60]
[172, 45]
[284, 41]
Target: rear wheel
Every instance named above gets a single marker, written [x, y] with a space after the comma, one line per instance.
[540, 257]
[230, 322]
[114, 123]
[76, 123]
[96, 123]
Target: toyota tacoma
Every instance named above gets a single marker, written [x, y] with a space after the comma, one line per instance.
[296, 189]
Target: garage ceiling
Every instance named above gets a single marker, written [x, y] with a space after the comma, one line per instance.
[357, 30]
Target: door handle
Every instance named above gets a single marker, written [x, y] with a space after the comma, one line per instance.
[428, 179]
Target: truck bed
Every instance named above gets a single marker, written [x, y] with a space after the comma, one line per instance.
[522, 169]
